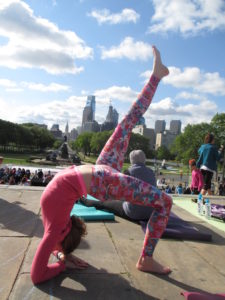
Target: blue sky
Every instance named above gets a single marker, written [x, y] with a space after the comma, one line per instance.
[53, 53]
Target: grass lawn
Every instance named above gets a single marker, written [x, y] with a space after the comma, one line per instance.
[17, 159]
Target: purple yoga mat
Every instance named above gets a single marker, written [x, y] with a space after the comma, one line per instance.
[180, 229]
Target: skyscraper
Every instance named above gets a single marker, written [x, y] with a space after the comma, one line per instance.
[89, 110]
[175, 126]
[111, 119]
[160, 126]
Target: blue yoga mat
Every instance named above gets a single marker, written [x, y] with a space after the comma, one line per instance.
[91, 213]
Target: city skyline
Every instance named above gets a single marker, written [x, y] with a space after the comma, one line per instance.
[54, 53]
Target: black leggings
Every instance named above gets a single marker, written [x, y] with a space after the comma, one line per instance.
[207, 177]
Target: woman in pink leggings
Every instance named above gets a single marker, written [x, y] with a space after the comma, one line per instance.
[62, 233]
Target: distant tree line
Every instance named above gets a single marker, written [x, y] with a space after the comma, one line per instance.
[24, 137]
[32, 137]
[92, 143]
[186, 145]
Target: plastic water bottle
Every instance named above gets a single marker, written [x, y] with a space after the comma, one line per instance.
[200, 204]
[207, 209]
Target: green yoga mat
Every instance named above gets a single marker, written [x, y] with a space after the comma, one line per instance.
[91, 213]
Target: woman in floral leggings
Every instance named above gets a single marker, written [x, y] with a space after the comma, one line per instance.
[104, 181]
[108, 183]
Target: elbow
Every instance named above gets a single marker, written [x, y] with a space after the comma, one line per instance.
[36, 277]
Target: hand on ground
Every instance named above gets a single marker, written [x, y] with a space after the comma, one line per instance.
[73, 262]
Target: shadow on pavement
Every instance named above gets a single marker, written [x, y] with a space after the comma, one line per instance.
[99, 285]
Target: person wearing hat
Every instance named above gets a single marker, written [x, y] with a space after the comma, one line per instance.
[196, 178]
[125, 209]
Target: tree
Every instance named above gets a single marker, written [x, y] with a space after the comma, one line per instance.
[163, 153]
[218, 126]
[186, 145]
[98, 141]
[138, 141]
[83, 143]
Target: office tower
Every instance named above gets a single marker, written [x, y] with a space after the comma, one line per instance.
[111, 119]
[57, 133]
[115, 117]
[175, 126]
[89, 110]
[160, 126]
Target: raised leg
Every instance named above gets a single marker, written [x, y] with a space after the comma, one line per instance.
[114, 150]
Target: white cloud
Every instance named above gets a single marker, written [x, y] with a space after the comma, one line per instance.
[13, 86]
[187, 16]
[6, 83]
[130, 49]
[52, 87]
[124, 94]
[127, 15]
[71, 109]
[193, 78]
[186, 95]
[190, 77]
[191, 113]
[209, 83]
[34, 42]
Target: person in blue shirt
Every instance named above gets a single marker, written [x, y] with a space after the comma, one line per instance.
[179, 189]
[207, 161]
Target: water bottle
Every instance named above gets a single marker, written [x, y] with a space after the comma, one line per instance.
[200, 204]
[207, 209]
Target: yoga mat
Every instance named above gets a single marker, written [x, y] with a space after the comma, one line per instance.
[202, 296]
[91, 213]
[180, 229]
[191, 207]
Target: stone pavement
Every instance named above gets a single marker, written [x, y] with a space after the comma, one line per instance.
[112, 249]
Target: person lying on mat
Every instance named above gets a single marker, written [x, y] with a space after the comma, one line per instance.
[125, 209]
[103, 181]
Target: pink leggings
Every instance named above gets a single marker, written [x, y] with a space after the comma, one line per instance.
[109, 183]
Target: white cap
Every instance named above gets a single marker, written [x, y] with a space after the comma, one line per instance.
[137, 156]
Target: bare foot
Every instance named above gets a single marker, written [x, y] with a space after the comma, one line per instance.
[159, 70]
[148, 264]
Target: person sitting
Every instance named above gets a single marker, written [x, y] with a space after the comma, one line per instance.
[179, 189]
[125, 209]
[168, 189]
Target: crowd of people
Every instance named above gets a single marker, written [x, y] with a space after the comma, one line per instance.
[22, 176]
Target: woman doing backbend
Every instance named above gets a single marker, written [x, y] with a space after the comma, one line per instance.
[103, 181]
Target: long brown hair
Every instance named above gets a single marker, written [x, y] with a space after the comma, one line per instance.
[73, 238]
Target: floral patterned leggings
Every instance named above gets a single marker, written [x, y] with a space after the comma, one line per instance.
[109, 183]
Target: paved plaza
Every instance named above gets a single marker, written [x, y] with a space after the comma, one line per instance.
[112, 249]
